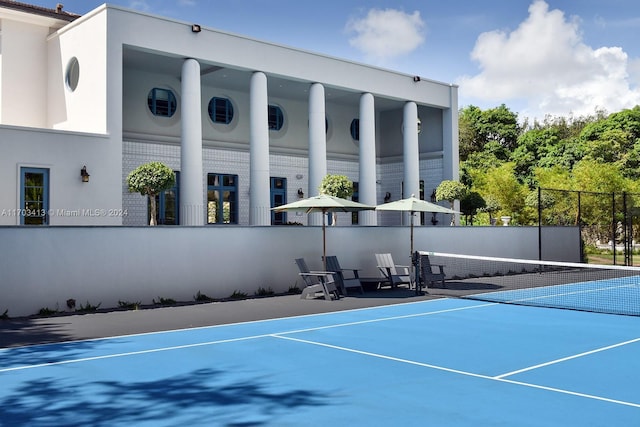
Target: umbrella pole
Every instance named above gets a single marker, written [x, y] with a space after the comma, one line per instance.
[411, 251]
[324, 241]
[413, 270]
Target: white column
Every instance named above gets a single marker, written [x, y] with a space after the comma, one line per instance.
[411, 153]
[450, 146]
[259, 199]
[317, 145]
[191, 179]
[367, 174]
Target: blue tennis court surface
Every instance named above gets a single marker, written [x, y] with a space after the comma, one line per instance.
[446, 362]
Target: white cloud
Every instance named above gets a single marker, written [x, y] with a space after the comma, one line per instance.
[385, 34]
[142, 5]
[546, 64]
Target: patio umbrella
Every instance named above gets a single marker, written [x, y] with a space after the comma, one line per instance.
[323, 203]
[413, 205]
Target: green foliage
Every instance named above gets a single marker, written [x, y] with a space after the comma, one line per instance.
[164, 301]
[88, 308]
[238, 295]
[477, 128]
[450, 190]
[150, 180]
[129, 305]
[46, 311]
[470, 204]
[337, 186]
[294, 290]
[263, 292]
[597, 153]
[200, 297]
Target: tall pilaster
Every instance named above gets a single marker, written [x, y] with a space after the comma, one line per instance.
[367, 155]
[411, 151]
[259, 198]
[450, 143]
[191, 179]
[317, 144]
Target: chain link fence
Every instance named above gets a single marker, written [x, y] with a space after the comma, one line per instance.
[609, 222]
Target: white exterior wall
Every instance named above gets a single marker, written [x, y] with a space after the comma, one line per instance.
[23, 76]
[85, 109]
[64, 154]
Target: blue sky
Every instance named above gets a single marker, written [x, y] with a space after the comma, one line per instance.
[558, 57]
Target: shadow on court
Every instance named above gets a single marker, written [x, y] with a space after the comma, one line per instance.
[15, 333]
[38, 330]
[203, 395]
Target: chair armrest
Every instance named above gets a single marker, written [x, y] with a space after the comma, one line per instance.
[321, 275]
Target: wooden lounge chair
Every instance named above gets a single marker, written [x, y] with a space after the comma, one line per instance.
[428, 273]
[317, 282]
[344, 283]
[393, 274]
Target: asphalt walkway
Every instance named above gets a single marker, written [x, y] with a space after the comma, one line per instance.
[70, 327]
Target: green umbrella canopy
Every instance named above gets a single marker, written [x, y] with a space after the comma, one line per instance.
[412, 205]
[323, 203]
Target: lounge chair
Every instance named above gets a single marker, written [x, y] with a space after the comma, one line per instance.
[317, 282]
[428, 273]
[344, 283]
[389, 270]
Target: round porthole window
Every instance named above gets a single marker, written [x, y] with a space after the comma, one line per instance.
[73, 74]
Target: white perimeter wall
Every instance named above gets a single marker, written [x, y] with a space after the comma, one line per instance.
[43, 267]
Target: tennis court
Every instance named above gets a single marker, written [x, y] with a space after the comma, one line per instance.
[442, 362]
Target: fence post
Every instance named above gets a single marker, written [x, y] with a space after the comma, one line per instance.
[539, 224]
[613, 226]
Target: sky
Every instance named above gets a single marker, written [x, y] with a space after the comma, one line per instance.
[538, 57]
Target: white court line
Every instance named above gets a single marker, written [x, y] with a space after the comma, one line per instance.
[456, 371]
[201, 344]
[131, 353]
[248, 322]
[384, 319]
[564, 359]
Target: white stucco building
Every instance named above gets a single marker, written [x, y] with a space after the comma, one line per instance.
[246, 124]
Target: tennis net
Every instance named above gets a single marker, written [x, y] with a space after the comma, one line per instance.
[587, 287]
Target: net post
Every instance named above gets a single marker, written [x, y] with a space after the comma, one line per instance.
[415, 261]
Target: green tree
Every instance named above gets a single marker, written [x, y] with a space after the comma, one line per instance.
[470, 204]
[337, 186]
[501, 125]
[451, 191]
[468, 131]
[150, 180]
[502, 184]
[491, 207]
[477, 128]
